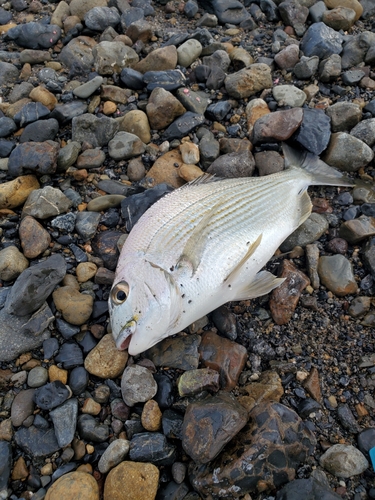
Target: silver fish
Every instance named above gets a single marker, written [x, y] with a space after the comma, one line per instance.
[204, 244]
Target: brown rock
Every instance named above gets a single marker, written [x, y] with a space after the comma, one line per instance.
[278, 126]
[34, 238]
[268, 388]
[312, 385]
[133, 481]
[233, 165]
[80, 7]
[41, 94]
[22, 406]
[75, 307]
[340, 18]
[195, 381]
[284, 299]
[105, 360]
[56, 373]
[140, 30]
[91, 158]
[14, 108]
[189, 153]
[162, 108]
[151, 416]
[356, 230]
[115, 94]
[249, 81]
[14, 193]
[12, 263]
[85, 271]
[136, 169]
[160, 59]
[189, 172]
[105, 246]
[288, 57]
[268, 162]
[351, 4]
[6, 430]
[224, 356]
[232, 145]
[74, 485]
[210, 424]
[136, 122]
[165, 169]
[91, 407]
[109, 108]
[20, 470]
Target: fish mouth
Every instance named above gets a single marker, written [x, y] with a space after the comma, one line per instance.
[125, 336]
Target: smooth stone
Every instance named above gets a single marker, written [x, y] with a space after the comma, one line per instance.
[136, 122]
[309, 489]
[232, 12]
[336, 274]
[99, 18]
[33, 35]
[268, 162]
[104, 202]
[38, 157]
[356, 230]
[279, 125]
[289, 95]
[14, 193]
[183, 125]
[351, 4]
[139, 480]
[70, 355]
[65, 329]
[196, 102]
[152, 447]
[151, 416]
[105, 360]
[288, 57]
[194, 381]
[125, 145]
[218, 110]
[164, 396]
[311, 230]
[64, 419]
[39, 443]
[6, 462]
[35, 285]
[22, 407]
[188, 52]
[168, 79]
[359, 306]
[64, 113]
[365, 131]
[330, 68]
[85, 90]
[7, 126]
[31, 112]
[40, 131]
[75, 307]
[74, 485]
[347, 419]
[12, 263]
[105, 246]
[51, 395]
[163, 58]
[344, 116]
[340, 18]
[137, 385]
[321, 40]
[37, 377]
[343, 460]
[90, 429]
[46, 202]
[249, 81]
[233, 165]
[85, 271]
[78, 380]
[178, 352]
[347, 153]
[113, 455]
[366, 440]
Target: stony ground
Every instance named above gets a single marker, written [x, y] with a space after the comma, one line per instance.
[107, 106]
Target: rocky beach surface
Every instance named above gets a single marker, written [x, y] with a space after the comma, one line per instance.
[106, 106]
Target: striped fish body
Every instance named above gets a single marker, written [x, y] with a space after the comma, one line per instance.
[202, 246]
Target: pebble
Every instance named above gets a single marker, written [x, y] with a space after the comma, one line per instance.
[356, 230]
[5, 464]
[152, 447]
[78, 380]
[321, 40]
[139, 480]
[72, 485]
[188, 52]
[91, 430]
[311, 230]
[64, 419]
[46, 202]
[289, 95]
[105, 361]
[113, 455]
[70, 355]
[37, 442]
[307, 488]
[125, 145]
[248, 81]
[336, 274]
[343, 460]
[22, 407]
[75, 307]
[278, 126]
[12, 263]
[14, 193]
[151, 416]
[180, 352]
[104, 202]
[194, 381]
[86, 224]
[137, 385]
[37, 377]
[51, 395]
[314, 132]
[357, 153]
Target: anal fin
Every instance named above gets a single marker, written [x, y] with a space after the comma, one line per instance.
[263, 283]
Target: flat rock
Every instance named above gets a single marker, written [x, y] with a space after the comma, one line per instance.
[97, 131]
[165, 170]
[113, 455]
[152, 447]
[356, 230]
[125, 145]
[183, 125]
[308, 232]
[22, 407]
[38, 157]
[237, 164]
[105, 361]
[64, 419]
[289, 95]
[314, 132]
[309, 489]
[336, 274]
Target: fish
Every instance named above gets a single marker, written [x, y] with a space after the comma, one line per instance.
[205, 244]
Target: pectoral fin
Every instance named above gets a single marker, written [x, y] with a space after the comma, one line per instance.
[236, 271]
[263, 283]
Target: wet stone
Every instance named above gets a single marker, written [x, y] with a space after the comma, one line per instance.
[78, 380]
[178, 352]
[152, 447]
[347, 419]
[99, 18]
[137, 385]
[34, 238]
[40, 131]
[248, 81]
[105, 246]
[225, 322]
[183, 125]
[151, 416]
[90, 429]
[50, 347]
[194, 381]
[224, 356]
[36, 442]
[64, 113]
[66, 329]
[37, 377]
[31, 112]
[284, 299]
[64, 419]
[86, 224]
[344, 461]
[70, 355]
[164, 396]
[12, 263]
[7, 126]
[336, 274]
[88, 88]
[51, 395]
[162, 108]
[279, 125]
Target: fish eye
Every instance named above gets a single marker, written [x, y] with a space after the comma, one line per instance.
[120, 292]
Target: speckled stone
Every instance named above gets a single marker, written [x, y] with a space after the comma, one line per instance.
[72, 486]
[105, 360]
[139, 480]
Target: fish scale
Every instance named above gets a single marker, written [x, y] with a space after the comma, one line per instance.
[205, 244]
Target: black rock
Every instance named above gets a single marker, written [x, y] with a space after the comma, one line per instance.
[133, 427]
[270, 10]
[190, 8]
[164, 396]
[370, 107]
[110, 218]
[36, 442]
[172, 424]
[347, 419]
[308, 489]
[99, 18]
[66, 329]
[314, 132]
[369, 256]
[78, 380]
[64, 469]
[19, 5]
[321, 40]
[91, 430]
[225, 322]
[34, 285]
[50, 347]
[173, 491]
[113, 187]
[177, 39]
[31, 112]
[87, 343]
[183, 125]
[40, 131]
[227, 11]
[368, 209]
[105, 246]
[74, 197]
[64, 113]
[5, 463]
[152, 447]
[307, 406]
[219, 110]
[7, 126]
[51, 395]
[78, 253]
[34, 157]
[352, 77]
[34, 35]
[100, 307]
[86, 224]
[133, 207]
[170, 79]
[212, 77]
[70, 355]
[6, 148]
[366, 440]
[132, 79]
[40, 422]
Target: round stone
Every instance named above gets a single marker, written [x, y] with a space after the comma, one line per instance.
[105, 360]
[72, 486]
[37, 377]
[343, 460]
[138, 481]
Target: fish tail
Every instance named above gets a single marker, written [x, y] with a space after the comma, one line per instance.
[321, 174]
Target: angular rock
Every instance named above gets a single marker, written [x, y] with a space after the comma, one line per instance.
[97, 131]
[289, 95]
[249, 81]
[163, 59]
[105, 361]
[111, 57]
[315, 130]
[278, 126]
[38, 443]
[91, 430]
[162, 108]
[183, 125]
[336, 274]
[194, 381]
[321, 40]
[38, 157]
[152, 447]
[178, 352]
[137, 385]
[99, 18]
[356, 230]
[105, 246]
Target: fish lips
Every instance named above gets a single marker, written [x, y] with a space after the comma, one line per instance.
[125, 336]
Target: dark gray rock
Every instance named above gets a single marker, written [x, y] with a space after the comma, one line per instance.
[31, 112]
[35, 285]
[218, 110]
[97, 131]
[38, 443]
[306, 67]
[132, 79]
[178, 352]
[170, 79]
[78, 380]
[40, 131]
[314, 132]
[6, 148]
[86, 224]
[64, 113]
[237, 164]
[8, 73]
[5, 17]
[34, 157]
[356, 48]
[164, 396]
[307, 406]
[104, 245]
[99, 18]
[5, 463]
[64, 419]
[269, 8]
[213, 77]
[308, 489]
[64, 223]
[50, 347]
[209, 149]
[51, 395]
[183, 125]
[7, 126]
[91, 430]
[172, 423]
[152, 447]
[34, 35]
[322, 41]
[347, 419]
[70, 355]
[190, 8]
[227, 11]
[366, 440]
[66, 329]
[130, 16]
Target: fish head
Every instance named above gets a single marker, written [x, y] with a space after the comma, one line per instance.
[143, 304]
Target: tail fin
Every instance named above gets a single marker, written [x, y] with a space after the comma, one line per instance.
[321, 173]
